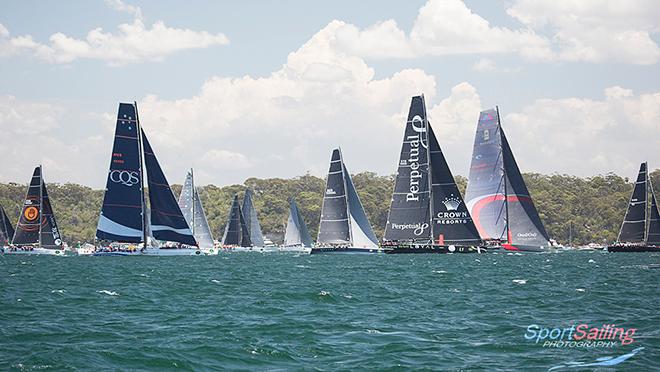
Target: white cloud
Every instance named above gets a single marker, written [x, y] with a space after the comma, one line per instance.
[134, 42]
[484, 65]
[120, 6]
[225, 160]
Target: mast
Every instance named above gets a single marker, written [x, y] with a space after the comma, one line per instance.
[140, 154]
[506, 192]
[192, 196]
[428, 166]
[348, 206]
[41, 200]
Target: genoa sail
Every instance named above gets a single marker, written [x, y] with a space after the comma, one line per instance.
[251, 220]
[236, 230]
[409, 214]
[6, 229]
[362, 234]
[50, 233]
[334, 227]
[121, 217]
[193, 212]
[452, 223]
[167, 222]
[296, 233]
[634, 223]
[653, 233]
[497, 197]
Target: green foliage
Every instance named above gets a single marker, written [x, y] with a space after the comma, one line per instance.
[592, 208]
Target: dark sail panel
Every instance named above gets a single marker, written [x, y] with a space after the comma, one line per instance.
[452, 223]
[362, 234]
[236, 230]
[50, 233]
[334, 227]
[246, 240]
[251, 220]
[485, 190]
[30, 219]
[121, 212]
[409, 214]
[6, 228]
[653, 234]
[634, 223]
[525, 226]
[167, 221]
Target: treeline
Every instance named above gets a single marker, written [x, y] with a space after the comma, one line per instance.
[591, 207]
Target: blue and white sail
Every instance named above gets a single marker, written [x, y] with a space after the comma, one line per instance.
[296, 233]
[193, 212]
[121, 218]
[167, 222]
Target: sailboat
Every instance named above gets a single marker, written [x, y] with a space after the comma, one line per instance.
[344, 227]
[126, 225]
[236, 236]
[427, 213]
[6, 229]
[193, 212]
[252, 224]
[36, 230]
[497, 197]
[296, 235]
[640, 230]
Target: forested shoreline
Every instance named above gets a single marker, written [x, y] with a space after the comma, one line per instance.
[594, 206]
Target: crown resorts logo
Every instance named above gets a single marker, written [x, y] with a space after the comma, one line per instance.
[452, 203]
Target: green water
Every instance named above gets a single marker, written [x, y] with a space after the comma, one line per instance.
[254, 311]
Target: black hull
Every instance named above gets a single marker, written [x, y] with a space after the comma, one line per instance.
[430, 249]
[633, 248]
[345, 250]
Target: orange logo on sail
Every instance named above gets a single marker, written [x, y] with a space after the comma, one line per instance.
[31, 213]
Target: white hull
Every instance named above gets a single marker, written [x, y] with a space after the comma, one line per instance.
[296, 249]
[172, 252]
[33, 251]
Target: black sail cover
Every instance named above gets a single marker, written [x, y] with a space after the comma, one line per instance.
[634, 223]
[251, 220]
[653, 235]
[296, 230]
[409, 214]
[236, 230]
[167, 221]
[494, 174]
[121, 212]
[452, 223]
[30, 219]
[334, 226]
[6, 228]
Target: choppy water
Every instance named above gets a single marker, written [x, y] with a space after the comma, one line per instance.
[282, 311]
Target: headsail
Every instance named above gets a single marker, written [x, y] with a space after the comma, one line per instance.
[409, 215]
[6, 228]
[50, 233]
[452, 223]
[193, 212]
[167, 221]
[121, 217]
[633, 227]
[334, 227]
[296, 229]
[653, 234]
[236, 230]
[251, 220]
[362, 234]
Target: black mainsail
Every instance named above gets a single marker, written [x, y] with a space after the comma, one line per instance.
[296, 230]
[121, 218]
[167, 221]
[497, 197]
[633, 228]
[236, 232]
[653, 231]
[36, 224]
[6, 229]
[409, 216]
[251, 220]
[343, 219]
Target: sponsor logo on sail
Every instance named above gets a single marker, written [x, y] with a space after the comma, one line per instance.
[418, 228]
[330, 192]
[452, 203]
[527, 235]
[126, 178]
[416, 140]
[31, 213]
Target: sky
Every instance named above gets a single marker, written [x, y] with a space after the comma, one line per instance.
[269, 88]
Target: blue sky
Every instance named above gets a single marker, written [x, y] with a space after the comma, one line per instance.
[267, 89]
